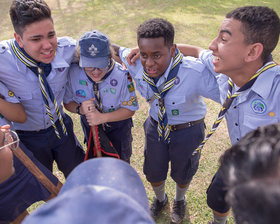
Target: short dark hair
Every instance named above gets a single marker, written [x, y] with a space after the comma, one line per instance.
[25, 12]
[155, 28]
[250, 169]
[259, 25]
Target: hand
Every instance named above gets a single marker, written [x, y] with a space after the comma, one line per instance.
[6, 157]
[133, 56]
[95, 118]
[87, 107]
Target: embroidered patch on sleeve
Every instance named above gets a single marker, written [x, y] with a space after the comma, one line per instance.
[81, 93]
[130, 87]
[83, 82]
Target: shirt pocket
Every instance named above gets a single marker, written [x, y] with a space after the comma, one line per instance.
[176, 105]
[253, 121]
[58, 83]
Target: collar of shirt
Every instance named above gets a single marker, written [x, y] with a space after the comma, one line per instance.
[264, 82]
[58, 62]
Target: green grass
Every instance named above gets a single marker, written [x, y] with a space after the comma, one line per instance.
[196, 22]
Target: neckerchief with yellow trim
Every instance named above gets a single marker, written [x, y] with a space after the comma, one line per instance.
[229, 100]
[95, 85]
[41, 70]
[163, 129]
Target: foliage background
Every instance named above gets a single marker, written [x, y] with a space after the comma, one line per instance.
[196, 22]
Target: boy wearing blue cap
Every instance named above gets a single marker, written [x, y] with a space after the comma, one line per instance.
[174, 87]
[102, 92]
[34, 66]
[18, 186]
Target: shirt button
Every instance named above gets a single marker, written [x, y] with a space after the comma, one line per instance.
[237, 139]
[234, 107]
[236, 124]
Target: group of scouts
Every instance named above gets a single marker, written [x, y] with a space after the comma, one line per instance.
[39, 72]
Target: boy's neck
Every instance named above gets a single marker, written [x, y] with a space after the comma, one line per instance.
[243, 75]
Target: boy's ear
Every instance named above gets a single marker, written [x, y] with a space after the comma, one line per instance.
[18, 39]
[255, 52]
[173, 49]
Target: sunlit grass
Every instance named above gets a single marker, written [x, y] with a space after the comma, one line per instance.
[196, 22]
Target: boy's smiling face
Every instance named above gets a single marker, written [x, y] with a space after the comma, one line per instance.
[39, 40]
[229, 48]
[155, 55]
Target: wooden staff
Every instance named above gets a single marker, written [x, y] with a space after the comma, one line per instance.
[41, 177]
[98, 152]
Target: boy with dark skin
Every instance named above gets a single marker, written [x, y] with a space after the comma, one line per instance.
[174, 87]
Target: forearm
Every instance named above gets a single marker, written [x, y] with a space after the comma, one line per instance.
[96, 118]
[12, 111]
[118, 115]
[71, 106]
[189, 50]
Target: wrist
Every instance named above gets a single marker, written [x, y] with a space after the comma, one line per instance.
[78, 109]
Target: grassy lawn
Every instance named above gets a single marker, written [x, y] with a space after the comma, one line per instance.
[196, 22]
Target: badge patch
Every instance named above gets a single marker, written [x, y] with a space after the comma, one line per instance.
[271, 114]
[258, 106]
[177, 81]
[113, 90]
[175, 112]
[83, 82]
[81, 93]
[105, 91]
[130, 87]
[111, 109]
[11, 93]
[114, 82]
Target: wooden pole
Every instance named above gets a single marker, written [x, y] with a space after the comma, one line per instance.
[41, 177]
[93, 129]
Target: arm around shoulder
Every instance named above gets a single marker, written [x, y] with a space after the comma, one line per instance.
[189, 50]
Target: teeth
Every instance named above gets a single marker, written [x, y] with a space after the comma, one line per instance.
[46, 53]
[216, 58]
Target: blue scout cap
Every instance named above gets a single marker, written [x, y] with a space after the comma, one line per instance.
[100, 190]
[95, 50]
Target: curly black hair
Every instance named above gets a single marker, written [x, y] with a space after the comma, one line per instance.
[155, 28]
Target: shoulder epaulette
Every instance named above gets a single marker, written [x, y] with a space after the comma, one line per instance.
[193, 63]
[65, 41]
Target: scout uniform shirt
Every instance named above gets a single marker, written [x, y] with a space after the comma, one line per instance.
[183, 102]
[25, 85]
[257, 106]
[116, 90]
